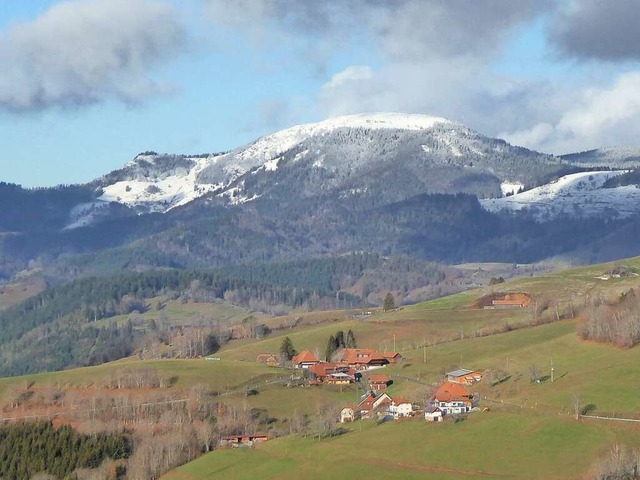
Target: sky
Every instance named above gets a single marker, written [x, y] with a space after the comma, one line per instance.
[85, 85]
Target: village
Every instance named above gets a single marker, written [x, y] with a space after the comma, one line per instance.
[345, 366]
[363, 368]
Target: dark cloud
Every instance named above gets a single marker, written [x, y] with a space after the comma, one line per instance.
[418, 29]
[84, 52]
[599, 29]
[411, 29]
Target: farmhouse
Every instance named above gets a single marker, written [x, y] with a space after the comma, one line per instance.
[333, 373]
[452, 398]
[463, 376]
[268, 359]
[362, 358]
[339, 378]
[304, 359]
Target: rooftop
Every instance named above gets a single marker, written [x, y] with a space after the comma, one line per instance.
[459, 373]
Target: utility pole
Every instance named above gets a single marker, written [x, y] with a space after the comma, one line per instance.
[424, 348]
[552, 369]
[394, 342]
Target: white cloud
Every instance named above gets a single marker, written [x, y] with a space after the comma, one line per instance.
[83, 52]
[354, 73]
[599, 117]
[437, 58]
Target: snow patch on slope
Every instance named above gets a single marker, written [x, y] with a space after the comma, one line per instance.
[579, 194]
[510, 188]
[86, 213]
[159, 194]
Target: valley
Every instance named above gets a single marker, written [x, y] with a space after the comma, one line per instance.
[507, 345]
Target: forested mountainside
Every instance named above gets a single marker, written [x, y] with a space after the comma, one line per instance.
[62, 326]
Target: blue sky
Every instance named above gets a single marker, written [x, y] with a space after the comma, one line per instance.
[90, 83]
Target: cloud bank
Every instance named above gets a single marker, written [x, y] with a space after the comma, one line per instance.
[597, 29]
[84, 52]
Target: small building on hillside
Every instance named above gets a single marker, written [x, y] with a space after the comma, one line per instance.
[304, 359]
[512, 300]
[379, 382]
[452, 398]
[464, 376]
[432, 414]
[242, 440]
[392, 357]
[268, 359]
[347, 414]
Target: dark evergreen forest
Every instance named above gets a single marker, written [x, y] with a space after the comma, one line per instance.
[33, 447]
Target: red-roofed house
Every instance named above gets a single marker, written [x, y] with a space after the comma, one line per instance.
[452, 398]
[332, 372]
[464, 376]
[373, 404]
[362, 357]
[392, 357]
[304, 359]
[379, 382]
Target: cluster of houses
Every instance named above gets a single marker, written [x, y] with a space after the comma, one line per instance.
[376, 405]
[451, 398]
[347, 366]
[353, 365]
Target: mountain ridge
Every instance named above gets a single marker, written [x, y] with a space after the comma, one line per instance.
[436, 155]
[386, 183]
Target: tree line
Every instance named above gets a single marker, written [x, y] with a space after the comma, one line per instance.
[28, 448]
[616, 322]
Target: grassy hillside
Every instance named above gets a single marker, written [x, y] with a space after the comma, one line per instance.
[486, 445]
[530, 425]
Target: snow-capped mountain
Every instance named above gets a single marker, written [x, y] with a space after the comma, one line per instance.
[355, 183]
[577, 195]
[389, 156]
[373, 158]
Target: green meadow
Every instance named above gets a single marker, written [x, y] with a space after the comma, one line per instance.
[486, 445]
[529, 430]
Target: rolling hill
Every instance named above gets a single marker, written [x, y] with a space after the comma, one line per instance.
[433, 337]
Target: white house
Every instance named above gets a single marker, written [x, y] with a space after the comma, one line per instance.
[347, 414]
[452, 398]
[432, 414]
[400, 407]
